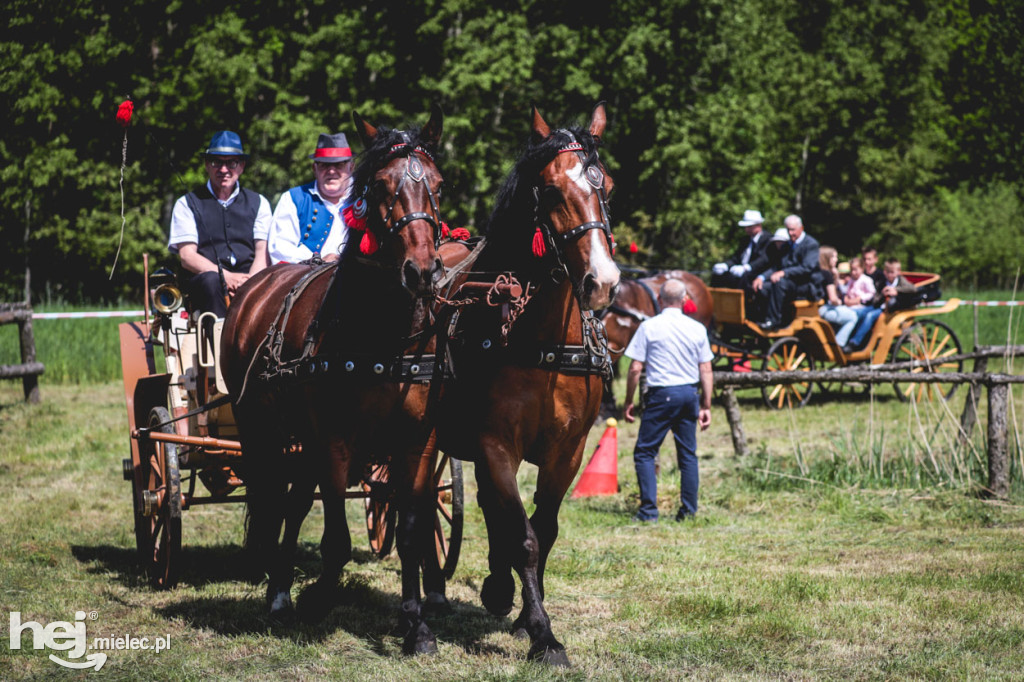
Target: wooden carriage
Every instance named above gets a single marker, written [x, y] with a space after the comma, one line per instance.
[808, 342]
[184, 443]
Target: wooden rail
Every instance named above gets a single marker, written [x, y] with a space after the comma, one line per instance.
[29, 370]
[997, 385]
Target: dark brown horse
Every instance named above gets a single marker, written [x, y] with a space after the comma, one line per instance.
[531, 392]
[324, 355]
[638, 301]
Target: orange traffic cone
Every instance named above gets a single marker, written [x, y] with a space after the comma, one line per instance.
[601, 476]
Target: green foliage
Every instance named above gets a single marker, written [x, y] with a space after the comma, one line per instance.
[875, 121]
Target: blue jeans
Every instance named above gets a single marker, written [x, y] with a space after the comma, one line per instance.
[842, 316]
[866, 320]
[676, 408]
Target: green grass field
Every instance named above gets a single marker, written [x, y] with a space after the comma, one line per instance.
[786, 574]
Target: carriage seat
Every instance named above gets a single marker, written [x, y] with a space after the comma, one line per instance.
[803, 308]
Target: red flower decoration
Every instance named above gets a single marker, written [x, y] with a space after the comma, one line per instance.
[460, 233]
[539, 248]
[633, 248]
[353, 218]
[124, 113]
[689, 307]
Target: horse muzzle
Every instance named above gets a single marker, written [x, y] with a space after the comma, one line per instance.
[422, 281]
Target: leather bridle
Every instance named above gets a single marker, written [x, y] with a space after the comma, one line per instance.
[415, 172]
[595, 178]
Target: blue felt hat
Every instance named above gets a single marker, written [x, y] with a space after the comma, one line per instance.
[226, 143]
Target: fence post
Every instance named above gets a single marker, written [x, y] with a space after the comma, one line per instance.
[998, 464]
[29, 382]
[732, 413]
[970, 414]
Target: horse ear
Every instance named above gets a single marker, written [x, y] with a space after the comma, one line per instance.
[367, 133]
[598, 120]
[431, 133]
[540, 128]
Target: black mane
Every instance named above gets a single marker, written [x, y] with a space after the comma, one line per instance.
[512, 222]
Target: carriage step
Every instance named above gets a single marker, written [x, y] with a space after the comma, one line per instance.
[127, 470]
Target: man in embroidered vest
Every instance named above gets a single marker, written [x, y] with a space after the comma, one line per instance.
[220, 230]
[308, 219]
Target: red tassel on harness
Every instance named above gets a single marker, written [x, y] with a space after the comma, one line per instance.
[539, 247]
[460, 233]
[368, 244]
[689, 307]
[124, 113]
[354, 218]
[633, 248]
[445, 232]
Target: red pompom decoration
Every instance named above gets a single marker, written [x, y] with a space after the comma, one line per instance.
[124, 113]
[689, 307]
[460, 233]
[444, 230]
[368, 244]
[539, 247]
[633, 248]
[353, 216]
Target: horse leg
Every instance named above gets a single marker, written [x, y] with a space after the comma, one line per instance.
[552, 484]
[297, 504]
[414, 533]
[435, 601]
[335, 543]
[499, 587]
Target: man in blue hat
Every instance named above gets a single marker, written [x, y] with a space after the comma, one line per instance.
[220, 230]
[308, 219]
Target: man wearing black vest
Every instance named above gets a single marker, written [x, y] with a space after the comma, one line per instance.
[309, 219]
[220, 230]
[749, 259]
[796, 278]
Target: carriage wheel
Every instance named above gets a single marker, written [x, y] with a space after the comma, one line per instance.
[928, 341]
[380, 515]
[787, 355]
[158, 506]
[448, 515]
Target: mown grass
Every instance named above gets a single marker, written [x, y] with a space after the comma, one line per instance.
[780, 576]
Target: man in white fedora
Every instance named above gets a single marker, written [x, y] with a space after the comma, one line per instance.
[748, 260]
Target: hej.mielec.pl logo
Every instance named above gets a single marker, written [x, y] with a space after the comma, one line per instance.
[70, 637]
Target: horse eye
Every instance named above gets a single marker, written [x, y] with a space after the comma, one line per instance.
[550, 197]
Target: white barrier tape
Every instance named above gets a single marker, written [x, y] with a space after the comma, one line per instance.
[978, 304]
[86, 315]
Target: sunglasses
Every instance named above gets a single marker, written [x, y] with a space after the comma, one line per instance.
[232, 164]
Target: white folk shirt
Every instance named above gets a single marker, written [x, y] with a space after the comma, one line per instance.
[183, 220]
[285, 235]
[671, 346]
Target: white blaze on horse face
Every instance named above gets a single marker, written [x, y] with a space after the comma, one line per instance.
[577, 176]
[603, 269]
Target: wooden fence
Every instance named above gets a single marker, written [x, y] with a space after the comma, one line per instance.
[29, 370]
[997, 385]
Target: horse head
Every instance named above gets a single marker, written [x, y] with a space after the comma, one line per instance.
[398, 186]
[572, 208]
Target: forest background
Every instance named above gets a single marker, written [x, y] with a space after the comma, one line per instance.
[895, 123]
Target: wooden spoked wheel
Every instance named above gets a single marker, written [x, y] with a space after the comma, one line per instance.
[787, 355]
[158, 506]
[448, 516]
[380, 513]
[929, 342]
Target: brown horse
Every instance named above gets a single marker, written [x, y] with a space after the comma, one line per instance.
[638, 301]
[324, 355]
[530, 392]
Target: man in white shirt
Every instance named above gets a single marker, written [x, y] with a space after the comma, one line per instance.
[308, 219]
[677, 355]
[220, 230]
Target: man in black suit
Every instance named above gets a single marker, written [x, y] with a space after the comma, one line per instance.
[748, 260]
[796, 279]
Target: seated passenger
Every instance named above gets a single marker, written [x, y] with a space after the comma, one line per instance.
[748, 260]
[834, 311]
[220, 229]
[843, 278]
[871, 269]
[897, 293]
[795, 279]
[308, 219]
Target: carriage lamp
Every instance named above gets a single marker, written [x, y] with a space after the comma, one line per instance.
[167, 298]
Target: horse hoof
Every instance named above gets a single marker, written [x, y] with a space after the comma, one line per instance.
[497, 593]
[520, 633]
[553, 656]
[419, 641]
[436, 605]
[281, 607]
